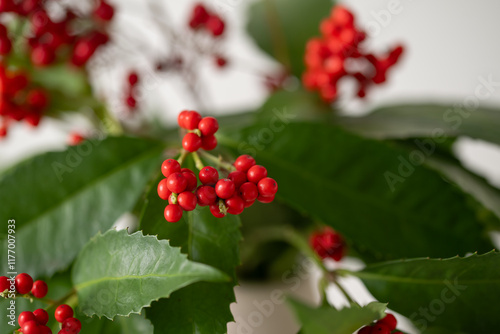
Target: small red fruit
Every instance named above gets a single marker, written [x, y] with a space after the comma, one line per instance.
[256, 173]
[176, 183]
[42, 317]
[63, 312]
[235, 205]
[187, 200]
[267, 187]
[30, 327]
[163, 191]
[390, 321]
[208, 143]
[206, 195]
[4, 283]
[238, 178]
[39, 289]
[72, 325]
[380, 329]
[249, 192]
[170, 166]
[215, 210]
[24, 317]
[244, 162]
[225, 188]
[208, 176]
[24, 283]
[173, 213]
[266, 200]
[208, 126]
[365, 330]
[191, 119]
[192, 181]
[191, 142]
[104, 11]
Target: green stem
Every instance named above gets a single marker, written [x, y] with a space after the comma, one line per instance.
[61, 300]
[183, 156]
[199, 164]
[344, 292]
[218, 161]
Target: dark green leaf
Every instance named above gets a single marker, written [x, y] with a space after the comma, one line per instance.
[282, 28]
[118, 274]
[458, 294]
[328, 320]
[133, 324]
[201, 308]
[427, 120]
[341, 179]
[59, 200]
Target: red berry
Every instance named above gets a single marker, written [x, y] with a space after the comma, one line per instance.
[176, 183]
[181, 119]
[131, 102]
[235, 205]
[187, 200]
[192, 181]
[173, 213]
[190, 120]
[170, 166]
[327, 244]
[249, 204]
[249, 192]
[72, 325]
[4, 283]
[365, 330]
[63, 312]
[209, 176]
[191, 142]
[390, 321]
[163, 191]
[24, 317]
[266, 200]
[220, 61]
[24, 283]
[244, 162]
[206, 195]
[380, 329]
[238, 178]
[267, 187]
[31, 327]
[133, 79]
[199, 16]
[42, 317]
[215, 25]
[39, 289]
[45, 330]
[256, 173]
[215, 210]
[225, 188]
[42, 55]
[208, 143]
[75, 139]
[208, 126]
[37, 99]
[104, 11]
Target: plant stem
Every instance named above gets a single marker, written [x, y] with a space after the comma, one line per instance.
[218, 161]
[61, 300]
[198, 163]
[344, 292]
[110, 123]
[183, 156]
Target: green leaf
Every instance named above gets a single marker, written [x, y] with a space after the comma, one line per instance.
[118, 274]
[133, 324]
[426, 120]
[328, 320]
[340, 179]
[201, 308]
[282, 28]
[59, 200]
[68, 80]
[457, 294]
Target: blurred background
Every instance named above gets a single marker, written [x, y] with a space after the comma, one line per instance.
[450, 45]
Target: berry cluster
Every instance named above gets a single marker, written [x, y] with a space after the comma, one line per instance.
[339, 53]
[23, 284]
[201, 131]
[386, 325]
[245, 183]
[328, 244]
[48, 38]
[203, 19]
[35, 322]
[19, 99]
[130, 95]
